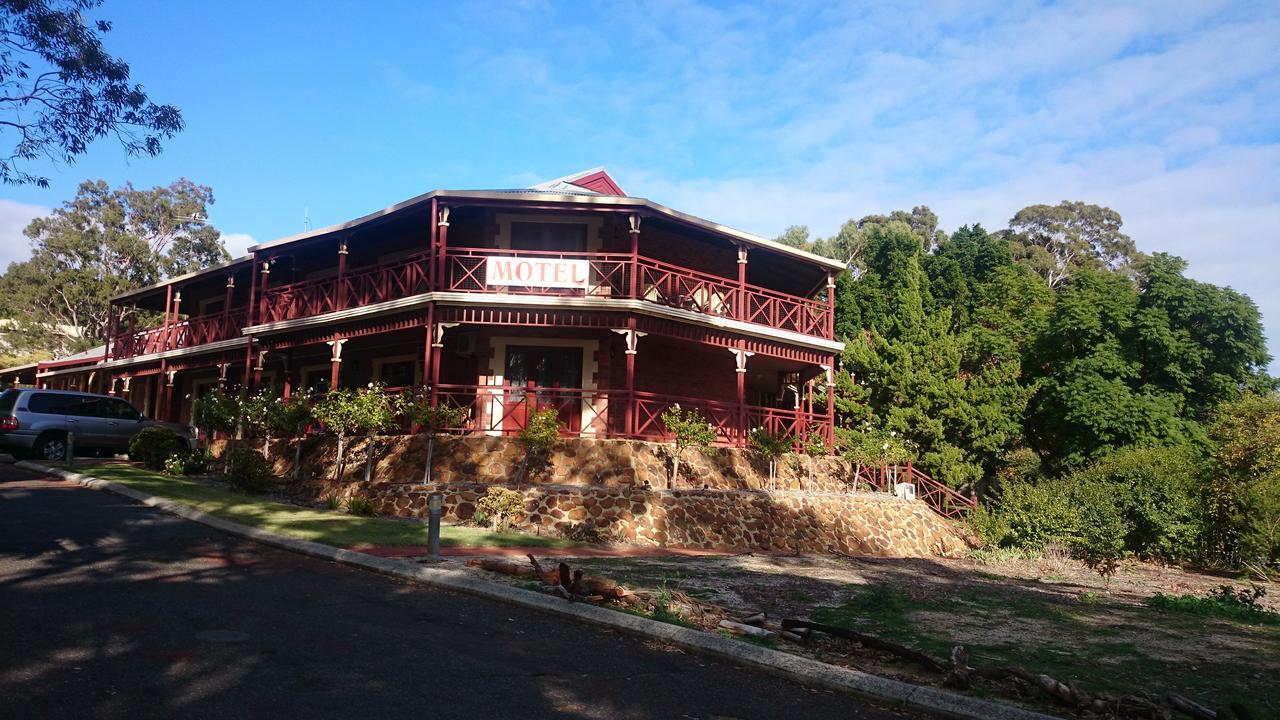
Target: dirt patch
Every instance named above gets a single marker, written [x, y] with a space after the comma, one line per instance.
[1049, 615]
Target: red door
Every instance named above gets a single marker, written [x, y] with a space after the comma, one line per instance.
[542, 377]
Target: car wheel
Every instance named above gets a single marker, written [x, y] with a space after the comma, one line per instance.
[51, 447]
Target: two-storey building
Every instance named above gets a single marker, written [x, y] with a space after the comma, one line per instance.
[568, 294]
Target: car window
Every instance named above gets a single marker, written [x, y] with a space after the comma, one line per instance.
[50, 403]
[123, 410]
[8, 399]
[83, 407]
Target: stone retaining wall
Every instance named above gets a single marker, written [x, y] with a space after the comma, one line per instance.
[726, 520]
[723, 501]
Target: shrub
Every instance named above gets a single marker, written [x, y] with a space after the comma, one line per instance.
[772, 446]
[345, 412]
[153, 446]
[501, 506]
[362, 506]
[541, 431]
[1027, 516]
[1224, 601]
[589, 532]
[876, 446]
[432, 418]
[1155, 491]
[188, 462]
[216, 412]
[688, 429]
[248, 471]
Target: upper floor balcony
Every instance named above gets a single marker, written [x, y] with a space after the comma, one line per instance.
[603, 276]
[192, 332]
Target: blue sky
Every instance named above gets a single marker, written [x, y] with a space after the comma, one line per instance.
[756, 116]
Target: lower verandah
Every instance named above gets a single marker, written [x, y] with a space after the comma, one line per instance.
[501, 373]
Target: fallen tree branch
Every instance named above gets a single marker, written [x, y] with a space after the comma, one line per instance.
[870, 641]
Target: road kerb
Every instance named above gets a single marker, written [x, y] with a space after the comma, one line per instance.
[884, 691]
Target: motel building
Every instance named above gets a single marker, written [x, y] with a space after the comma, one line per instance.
[568, 295]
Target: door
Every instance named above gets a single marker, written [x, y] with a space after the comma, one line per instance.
[542, 377]
[86, 418]
[123, 422]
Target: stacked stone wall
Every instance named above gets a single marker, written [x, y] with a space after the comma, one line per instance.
[723, 500]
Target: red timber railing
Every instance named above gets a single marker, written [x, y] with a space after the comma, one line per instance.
[362, 286]
[504, 409]
[609, 275]
[188, 333]
[943, 500]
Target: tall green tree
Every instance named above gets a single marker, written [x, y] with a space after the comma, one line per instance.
[1057, 240]
[1090, 398]
[103, 242]
[62, 90]
[954, 396]
[1200, 342]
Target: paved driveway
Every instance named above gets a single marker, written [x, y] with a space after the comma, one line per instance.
[110, 609]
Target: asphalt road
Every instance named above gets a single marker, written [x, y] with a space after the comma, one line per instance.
[111, 609]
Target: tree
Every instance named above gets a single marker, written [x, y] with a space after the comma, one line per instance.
[347, 412]
[217, 412]
[1090, 399]
[290, 418]
[1057, 240]
[688, 429]
[101, 243]
[1200, 342]
[433, 419]
[1244, 501]
[954, 393]
[62, 90]
[796, 236]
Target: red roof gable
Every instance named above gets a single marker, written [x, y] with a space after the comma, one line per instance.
[598, 181]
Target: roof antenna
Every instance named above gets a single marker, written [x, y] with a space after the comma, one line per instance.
[306, 218]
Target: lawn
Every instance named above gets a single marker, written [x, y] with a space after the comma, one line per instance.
[325, 526]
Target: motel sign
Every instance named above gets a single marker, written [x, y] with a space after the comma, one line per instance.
[536, 272]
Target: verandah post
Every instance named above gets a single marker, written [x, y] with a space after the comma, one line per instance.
[442, 242]
[740, 313]
[340, 293]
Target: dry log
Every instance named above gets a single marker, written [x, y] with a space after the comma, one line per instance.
[577, 583]
[870, 641]
[753, 619]
[743, 629]
[1190, 707]
[788, 635]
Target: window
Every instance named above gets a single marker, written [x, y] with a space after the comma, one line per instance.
[397, 374]
[50, 403]
[212, 307]
[7, 400]
[560, 237]
[121, 409]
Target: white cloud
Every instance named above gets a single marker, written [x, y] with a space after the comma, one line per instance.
[14, 218]
[1169, 116]
[237, 243]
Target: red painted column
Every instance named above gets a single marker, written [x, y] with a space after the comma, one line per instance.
[335, 362]
[432, 269]
[634, 289]
[426, 346]
[254, 282]
[829, 432]
[168, 303]
[740, 313]
[341, 290]
[442, 242]
[831, 307]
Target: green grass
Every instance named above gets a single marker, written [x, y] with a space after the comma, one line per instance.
[323, 526]
[1215, 607]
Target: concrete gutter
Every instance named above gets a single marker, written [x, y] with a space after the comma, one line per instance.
[883, 691]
